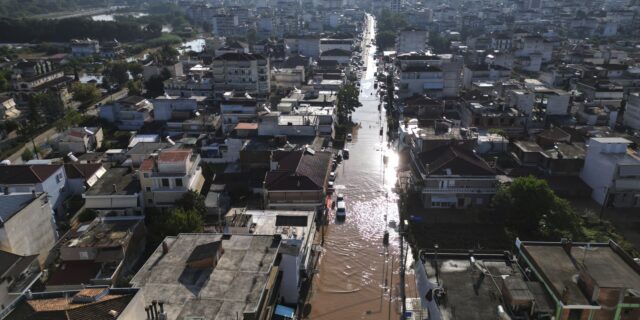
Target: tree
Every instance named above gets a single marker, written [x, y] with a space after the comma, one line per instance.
[154, 86]
[44, 107]
[136, 69]
[71, 118]
[86, 93]
[27, 154]
[134, 87]
[117, 73]
[347, 102]
[192, 200]
[176, 221]
[531, 209]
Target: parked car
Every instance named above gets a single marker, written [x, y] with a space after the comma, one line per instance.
[349, 137]
[341, 211]
[332, 176]
[345, 153]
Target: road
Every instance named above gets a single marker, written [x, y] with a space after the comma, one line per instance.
[357, 275]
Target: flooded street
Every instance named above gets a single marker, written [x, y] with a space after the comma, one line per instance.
[358, 277]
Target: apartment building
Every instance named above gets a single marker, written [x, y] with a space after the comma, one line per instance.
[165, 177]
[243, 72]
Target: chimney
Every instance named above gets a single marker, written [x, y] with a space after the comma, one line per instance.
[6, 191]
[154, 306]
[115, 188]
[33, 193]
[165, 248]
[566, 245]
[161, 307]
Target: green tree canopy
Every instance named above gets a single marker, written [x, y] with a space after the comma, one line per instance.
[192, 200]
[117, 73]
[86, 93]
[531, 209]
[154, 86]
[347, 102]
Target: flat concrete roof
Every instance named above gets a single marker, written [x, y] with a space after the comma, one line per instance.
[235, 286]
[469, 295]
[602, 262]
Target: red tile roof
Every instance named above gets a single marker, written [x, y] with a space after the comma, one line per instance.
[81, 170]
[299, 171]
[147, 165]
[246, 126]
[27, 174]
[174, 156]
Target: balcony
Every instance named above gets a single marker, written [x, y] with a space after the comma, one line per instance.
[449, 190]
[627, 184]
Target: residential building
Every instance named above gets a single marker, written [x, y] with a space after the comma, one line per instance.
[237, 108]
[98, 253]
[434, 75]
[189, 86]
[242, 72]
[48, 178]
[632, 111]
[288, 78]
[80, 140]
[484, 112]
[330, 44]
[582, 280]
[278, 124]
[224, 25]
[17, 274]
[297, 180]
[94, 302]
[130, 113]
[118, 191]
[484, 73]
[468, 295]
[85, 48]
[298, 230]
[82, 176]
[306, 46]
[340, 56]
[412, 40]
[600, 90]
[8, 109]
[212, 276]
[141, 151]
[452, 176]
[167, 107]
[165, 177]
[612, 171]
[27, 226]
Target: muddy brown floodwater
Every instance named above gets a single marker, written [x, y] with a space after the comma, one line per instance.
[357, 276]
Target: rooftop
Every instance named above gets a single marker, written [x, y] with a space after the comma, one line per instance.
[103, 232]
[116, 181]
[26, 174]
[90, 303]
[560, 264]
[13, 203]
[236, 285]
[471, 294]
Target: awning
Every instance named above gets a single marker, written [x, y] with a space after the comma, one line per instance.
[285, 312]
[444, 198]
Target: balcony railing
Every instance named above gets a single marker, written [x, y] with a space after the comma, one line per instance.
[459, 190]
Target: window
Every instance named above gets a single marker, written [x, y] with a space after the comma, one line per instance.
[148, 189]
[178, 182]
[165, 182]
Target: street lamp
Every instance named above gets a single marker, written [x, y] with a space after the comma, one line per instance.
[435, 246]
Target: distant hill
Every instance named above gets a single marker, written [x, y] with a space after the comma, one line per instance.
[25, 8]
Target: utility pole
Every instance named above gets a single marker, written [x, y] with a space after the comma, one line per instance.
[403, 297]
